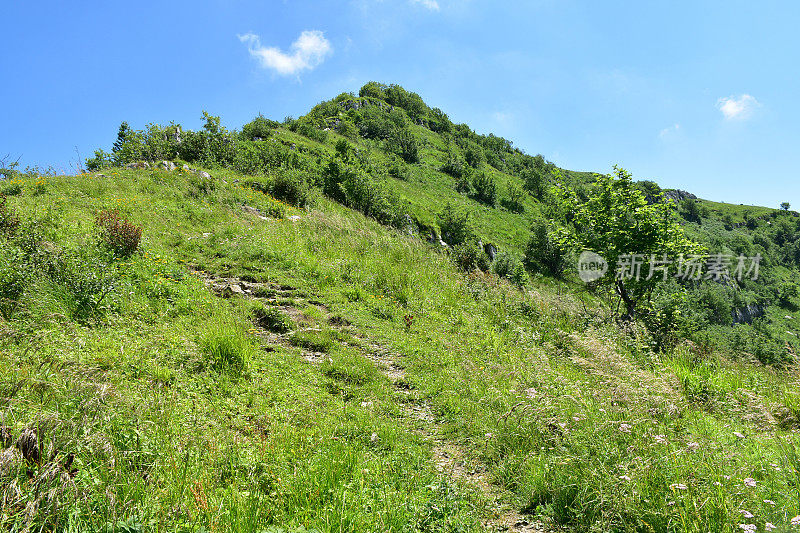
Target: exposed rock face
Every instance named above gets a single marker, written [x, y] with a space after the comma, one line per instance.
[138, 164]
[678, 195]
[167, 165]
[491, 250]
[746, 315]
[253, 211]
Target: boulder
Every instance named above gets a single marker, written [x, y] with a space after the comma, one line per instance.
[230, 289]
[491, 250]
[167, 165]
[203, 174]
[138, 164]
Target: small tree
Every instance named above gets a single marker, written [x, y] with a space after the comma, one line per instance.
[485, 188]
[785, 206]
[455, 225]
[617, 222]
[545, 252]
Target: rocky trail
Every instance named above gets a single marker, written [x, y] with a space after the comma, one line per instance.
[451, 459]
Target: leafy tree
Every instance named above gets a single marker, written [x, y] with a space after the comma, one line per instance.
[617, 221]
[474, 155]
[403, 143]
[546, 252]
[536, 177]
[690, 210]
[514, 197]
[485, 188]
[455, 225]
[373, 89]
[785, 206]
[258, 128]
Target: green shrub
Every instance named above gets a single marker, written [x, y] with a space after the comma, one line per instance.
[469, 256]
[258, 128]
[455, 167]
[514, 198]
[510, 267]
[485, 189]
[543, 253]
[474, 155]
[292, 187]
[14, 188]
[226, 348]
[117, 233]
[403, 143]
[399, 171]
[13, 277]
[455, 225]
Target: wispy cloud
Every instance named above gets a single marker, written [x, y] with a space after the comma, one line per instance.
[737, 107]
[433, 5]
[666, 133]
[307, 52]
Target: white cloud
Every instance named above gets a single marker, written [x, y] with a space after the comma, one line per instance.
[308, 51]
[433, 5]
[666, 133]
[737, 107]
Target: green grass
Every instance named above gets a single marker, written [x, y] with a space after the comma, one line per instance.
[181, 416]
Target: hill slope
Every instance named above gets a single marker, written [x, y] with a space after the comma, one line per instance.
[255, 364]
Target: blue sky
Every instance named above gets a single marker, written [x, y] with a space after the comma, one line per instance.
[701, 96]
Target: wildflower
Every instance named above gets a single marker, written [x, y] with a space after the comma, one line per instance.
[373, 437]
[488, 435]
[749, 482]
[717, 483]
[796, 520]
[748, 527]
[739, 435]
[726, 476]
[693, 446]
[625, 428]
[678, 486]
[746, 514]
[769, 502]
[625, 478]
[661, 439]
[769, 526]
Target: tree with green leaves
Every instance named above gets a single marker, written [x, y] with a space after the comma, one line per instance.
[785, 206]
[617, 223]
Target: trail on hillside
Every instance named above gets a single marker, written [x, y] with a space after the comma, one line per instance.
[451, 459]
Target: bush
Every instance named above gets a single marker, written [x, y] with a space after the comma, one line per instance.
[485, 189]
[258, 128]
[399, 171]
[543, 253]
[455, 225]
[292, 187]
[474, 155]
[117, 233]
[509, 267]
[403, 143]
[514, 197]
[468, 256]
[455, 167]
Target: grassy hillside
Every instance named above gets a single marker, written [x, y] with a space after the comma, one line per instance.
[269, 359]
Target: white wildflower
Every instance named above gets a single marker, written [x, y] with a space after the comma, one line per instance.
[678, 486]
[749, 482]
[625, 428]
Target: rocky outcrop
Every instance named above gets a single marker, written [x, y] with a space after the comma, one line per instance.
[748, 313]
[677, 195]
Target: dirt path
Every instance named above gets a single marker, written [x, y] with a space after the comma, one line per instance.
[450, 459]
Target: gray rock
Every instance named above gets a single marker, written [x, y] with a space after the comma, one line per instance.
[186, 167]
[138, 164]
[203, 174]
[294, 218]
[167, 165]
[491, 250]
[231, 289]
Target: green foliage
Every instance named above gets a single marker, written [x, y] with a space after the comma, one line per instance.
[485, 188]
[9, 221]
[373, 89]
[510, 267]
[617, 220]
[515, 196]
[226, 348]
[469, 256]
[455, 225]
[536, 177]
[271, 319]
[292, 187]
[352, 186]
[258, 128]
[13, 277]
[101, 159]
[403, 143]
[546, 252]
[473, 155]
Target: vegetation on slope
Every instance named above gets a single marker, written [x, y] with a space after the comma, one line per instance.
[223, 376]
